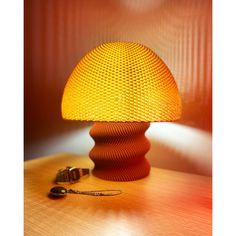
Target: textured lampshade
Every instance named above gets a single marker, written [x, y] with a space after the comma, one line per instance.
[121, 82]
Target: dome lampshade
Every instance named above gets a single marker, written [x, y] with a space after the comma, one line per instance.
[120, 82]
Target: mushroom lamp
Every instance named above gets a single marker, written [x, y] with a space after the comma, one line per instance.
[121, 87]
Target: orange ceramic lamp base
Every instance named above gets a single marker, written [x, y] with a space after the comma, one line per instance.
[119, 151]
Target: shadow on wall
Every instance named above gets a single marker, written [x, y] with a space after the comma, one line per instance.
[75, 141]
[179, 147]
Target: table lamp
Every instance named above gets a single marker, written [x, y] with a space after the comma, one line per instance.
[122, 87]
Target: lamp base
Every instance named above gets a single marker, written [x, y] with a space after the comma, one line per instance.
[119, 151]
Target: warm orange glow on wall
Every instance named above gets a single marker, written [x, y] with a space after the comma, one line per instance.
[59, 33]
[121, 81]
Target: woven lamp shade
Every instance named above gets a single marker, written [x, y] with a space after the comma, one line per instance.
[121, 82]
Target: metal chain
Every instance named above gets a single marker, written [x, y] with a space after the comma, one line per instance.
[110, 192]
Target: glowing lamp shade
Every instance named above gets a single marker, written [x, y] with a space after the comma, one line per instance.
[121, 86]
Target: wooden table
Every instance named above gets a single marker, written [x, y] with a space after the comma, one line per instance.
[164, 203]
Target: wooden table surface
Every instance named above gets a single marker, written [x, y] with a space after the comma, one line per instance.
[164, 203]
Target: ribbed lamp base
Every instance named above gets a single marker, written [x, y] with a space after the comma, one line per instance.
[119, 151]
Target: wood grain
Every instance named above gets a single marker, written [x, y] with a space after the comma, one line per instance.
[164, 203]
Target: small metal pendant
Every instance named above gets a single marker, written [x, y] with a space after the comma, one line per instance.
[58, 191]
